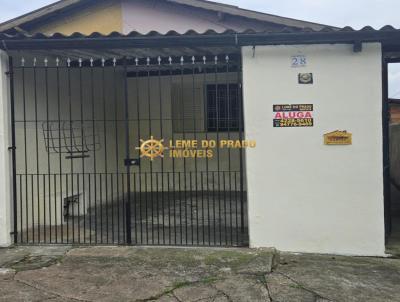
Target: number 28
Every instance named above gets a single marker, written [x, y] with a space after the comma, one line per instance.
[299, 61]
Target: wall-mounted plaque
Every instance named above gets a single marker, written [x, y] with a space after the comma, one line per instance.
[306, 78]
[338, 138]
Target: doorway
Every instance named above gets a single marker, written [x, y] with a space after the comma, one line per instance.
[393, 199]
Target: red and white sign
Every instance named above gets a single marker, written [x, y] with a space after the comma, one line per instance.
[298, 114]
[294, 115]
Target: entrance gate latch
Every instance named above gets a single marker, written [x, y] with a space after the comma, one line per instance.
[132, 162]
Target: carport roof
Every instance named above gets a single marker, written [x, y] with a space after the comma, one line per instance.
[387, 35]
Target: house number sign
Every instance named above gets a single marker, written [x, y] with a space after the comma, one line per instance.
[299, 61]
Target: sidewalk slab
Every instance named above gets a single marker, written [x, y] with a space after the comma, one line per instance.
[63, 274]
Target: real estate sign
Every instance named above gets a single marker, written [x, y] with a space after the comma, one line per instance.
[296, 115]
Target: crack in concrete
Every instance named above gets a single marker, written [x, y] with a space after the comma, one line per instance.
[207, 298]
[177, 299]
[52, 294]
[263, 280]
[223, 294]
[257, 274]
[171, 291]
[317, 296]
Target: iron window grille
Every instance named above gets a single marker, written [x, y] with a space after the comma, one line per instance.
[223, 110]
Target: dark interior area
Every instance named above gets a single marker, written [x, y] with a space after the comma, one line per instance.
[393, 201]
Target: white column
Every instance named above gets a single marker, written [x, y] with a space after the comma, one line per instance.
[5, 155]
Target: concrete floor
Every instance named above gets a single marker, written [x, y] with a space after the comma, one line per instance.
[169, 218]
[65, 274]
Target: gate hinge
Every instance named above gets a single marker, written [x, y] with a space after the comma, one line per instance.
[12, 148]
[8, 73]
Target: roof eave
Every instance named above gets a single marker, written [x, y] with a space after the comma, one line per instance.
[204, 40]
[36, 14]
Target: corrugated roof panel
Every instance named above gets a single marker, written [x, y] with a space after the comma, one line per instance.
[191, 32]
[387, 35]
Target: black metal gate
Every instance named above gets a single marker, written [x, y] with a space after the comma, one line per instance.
[120, 151]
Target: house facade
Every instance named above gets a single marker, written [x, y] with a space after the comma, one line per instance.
[120, 16]
[188, 122]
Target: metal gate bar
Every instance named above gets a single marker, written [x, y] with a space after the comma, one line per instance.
[128, 171]
[76, 124]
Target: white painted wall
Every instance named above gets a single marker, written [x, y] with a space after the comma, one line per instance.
[5, 155]
[305, 196]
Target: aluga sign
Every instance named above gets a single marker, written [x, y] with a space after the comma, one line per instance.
[286, 115]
